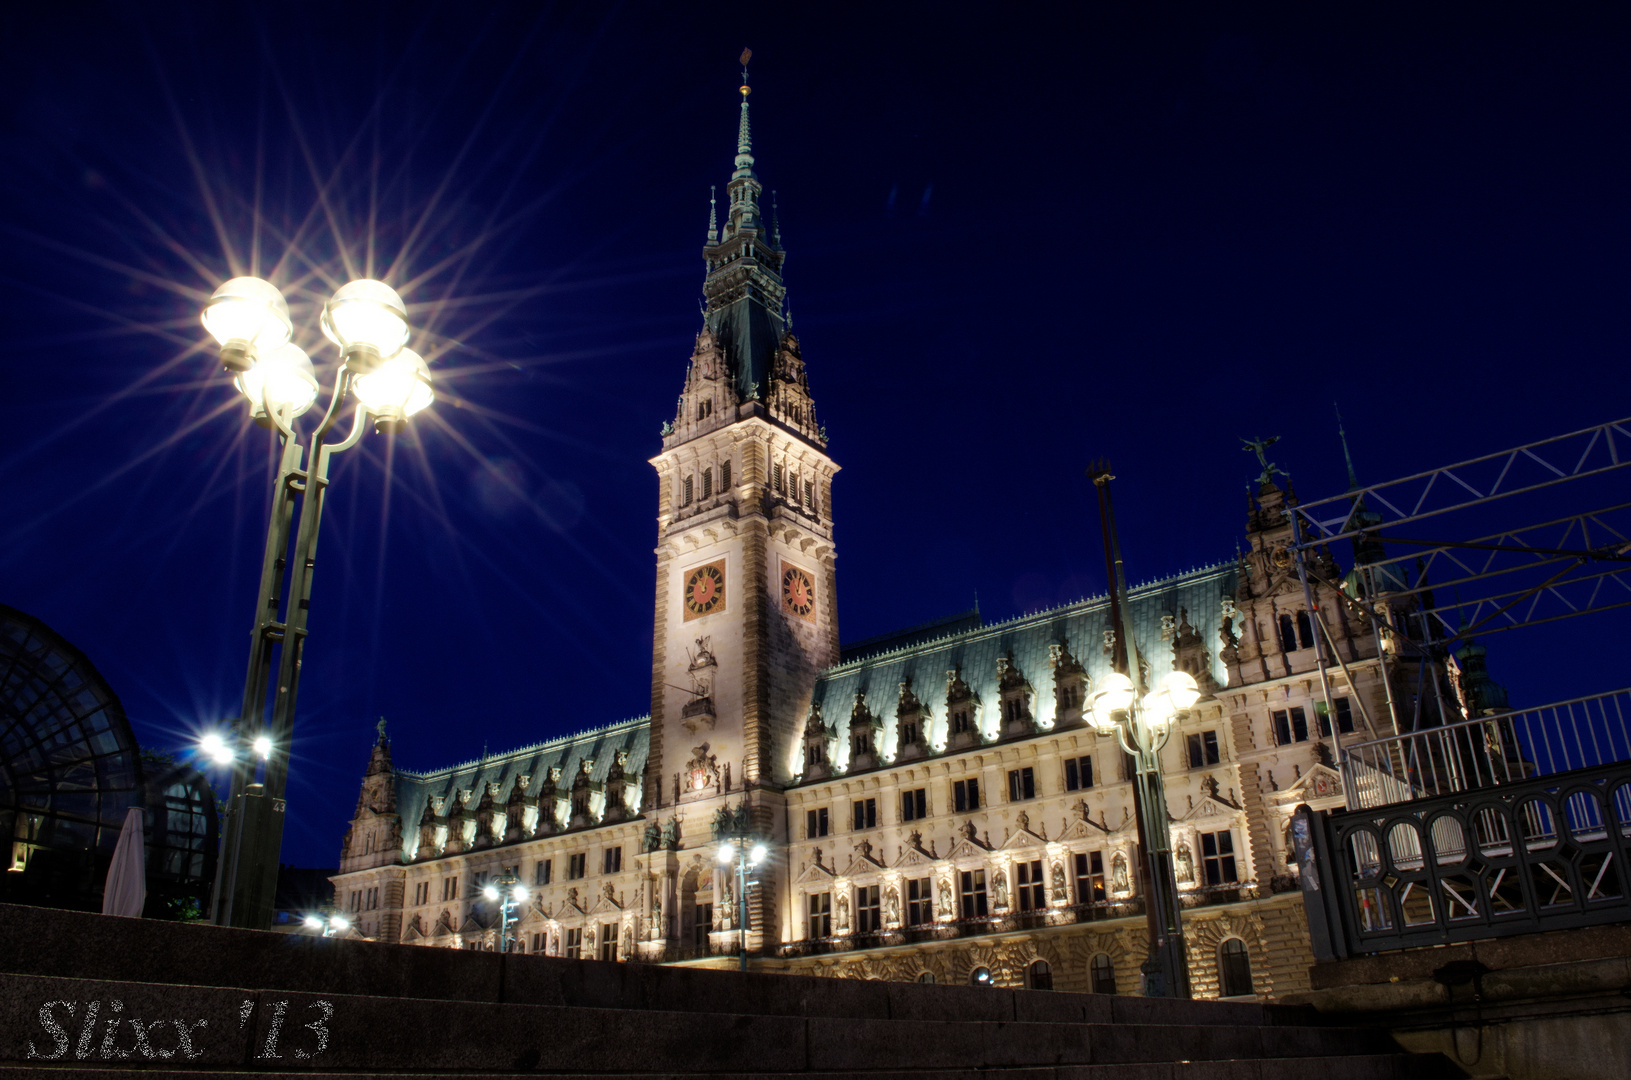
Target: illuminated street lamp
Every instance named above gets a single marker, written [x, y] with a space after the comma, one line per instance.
[1143, 729]
[330, 925]
[508, 894]
[744, 852]
[249, 320]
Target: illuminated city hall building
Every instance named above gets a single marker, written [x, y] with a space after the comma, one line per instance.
[935, 806]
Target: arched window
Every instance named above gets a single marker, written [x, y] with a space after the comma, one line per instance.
[1234, 969]
[1102, 974]
[1039, 976]
[980, 977]
[925, 977]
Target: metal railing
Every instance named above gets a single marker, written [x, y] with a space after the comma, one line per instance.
[1492, 750]
[1530, 855]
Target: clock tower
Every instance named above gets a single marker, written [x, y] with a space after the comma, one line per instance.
[746, 608]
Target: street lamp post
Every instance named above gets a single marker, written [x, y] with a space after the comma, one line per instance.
[1143, 732]
[249, 319]
[508, 893]
[744, 852]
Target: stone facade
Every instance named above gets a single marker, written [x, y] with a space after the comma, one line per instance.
[935, 805]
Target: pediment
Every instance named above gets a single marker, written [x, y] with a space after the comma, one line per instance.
[967, 848]
[443, 928]
[1021, 838]
[911, 856]
[414, 934]
[1209, 807]
[815, 874]
[471, 926]
[862, 864]
[604, 904]
[1318, 783]
[1083, 829]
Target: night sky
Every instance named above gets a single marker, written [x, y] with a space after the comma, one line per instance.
[1015, 243]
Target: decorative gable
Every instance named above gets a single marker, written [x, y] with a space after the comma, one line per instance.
[815, 873]
[912, 853]
[1320, 782]
[864, 862]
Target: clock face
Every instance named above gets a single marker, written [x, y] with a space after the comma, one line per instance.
[798, 592]
[705, 590]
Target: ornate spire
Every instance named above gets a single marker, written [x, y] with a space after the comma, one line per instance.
[713, 216]
[744, 136]
[1353, 478]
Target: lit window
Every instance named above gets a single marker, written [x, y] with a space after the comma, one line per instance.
[608, 941]
[1089, 877]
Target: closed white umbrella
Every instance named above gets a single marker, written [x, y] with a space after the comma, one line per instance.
[126, 890]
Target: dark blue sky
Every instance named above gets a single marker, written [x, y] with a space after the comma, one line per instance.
[1016, 242]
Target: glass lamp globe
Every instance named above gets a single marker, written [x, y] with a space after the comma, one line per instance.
[396, 389]
[726, 853]
[247, 316]
[519, 894]
[1115, 694]
[284, 379]
[1156, 710]
[490, 892]
[1180, 688]
[367, 320]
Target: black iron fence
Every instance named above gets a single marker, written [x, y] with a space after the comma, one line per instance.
[1545, 853]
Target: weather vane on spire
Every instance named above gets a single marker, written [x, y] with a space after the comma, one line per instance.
[747, 54]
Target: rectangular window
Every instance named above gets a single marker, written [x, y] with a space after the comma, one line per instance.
[1290, 726]
[703, 926]
[815, 823]
[421, 893]
[1218, 857]
[919, 902]
[1029, 892]
[356, 900]
[707, 483]
[779, 479]
[608, 941]
[965, 794]
[867, 919]
[962, 722]
[821, 915]
[1203, 749]
[1345, 716]
[724, 476]
[574, 944]
[373, 899]
[972, 891]
[450, 888]
[1089, 877]
[538, 942]
[1078, 773]
[809, 495]
[685, 492]
[1021, 784]
[866, 813]
[612, 861]
[577, 866]
[540, 874]
[914, 804]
